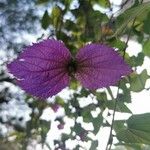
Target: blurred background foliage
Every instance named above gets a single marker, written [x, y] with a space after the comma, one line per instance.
[75, 22]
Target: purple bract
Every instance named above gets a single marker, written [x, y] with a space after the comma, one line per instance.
[45, 68]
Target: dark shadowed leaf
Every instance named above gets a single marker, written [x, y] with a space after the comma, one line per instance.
[84, 92]
[77, 147]
[45, 20]
[81, 132]
[65, 137]
[146, 24]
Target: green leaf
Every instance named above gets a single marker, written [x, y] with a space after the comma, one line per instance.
[139, 11]
[86, 112]
[134, 136]
[45, 126]
[117, 43]
[127, 146]
[45, 20]
[68, 111]
[56, 16]
[96, 17]
[97, 122]
[136, 61]
[126, 95]
[146, 48]
[94, 145]
[59, 100]
[121, 107]
[65, 137]
[103, 3]
[87, 117]
[78, 129]
[84, 92]
[137, 130]
[101, 96]
[70, 26]
[77, 147]
[146, 27]
[29, 127]
[63, 35]
[141, 122]
[137, 81]
[119, 125]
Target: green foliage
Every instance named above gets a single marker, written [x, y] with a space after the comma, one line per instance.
[45, 20]
[80, 131]
[85, 92]
[97, 123]
[119, 125]
[104, 3]
[136, 61]
[140, 122]
[146, 48]
[137, 130]
[121, 107]
[126, 95]
[86, 114]
[59, 100]
[45, 127]
[146, 24]
[137, 81]
[117, 43]
[138, 11]
[94, 145]
[56, 16]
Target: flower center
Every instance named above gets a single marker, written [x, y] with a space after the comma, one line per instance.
[72, 67]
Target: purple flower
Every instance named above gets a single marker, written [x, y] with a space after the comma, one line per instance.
[45, 68]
